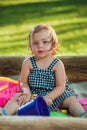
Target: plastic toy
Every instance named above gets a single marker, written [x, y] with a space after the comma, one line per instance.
[64, 111]
[83, 102]
[36, 107]
[58, 114]
[33, 96]
[8, 87]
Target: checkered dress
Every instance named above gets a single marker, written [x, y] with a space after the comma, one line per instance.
[42, 81]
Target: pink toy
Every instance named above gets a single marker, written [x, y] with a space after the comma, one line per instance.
[83, 102]
[8, 87]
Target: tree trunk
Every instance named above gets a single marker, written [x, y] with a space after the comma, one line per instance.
[42, 123]
[75, 66]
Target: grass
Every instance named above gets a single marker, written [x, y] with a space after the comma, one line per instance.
[67, 17]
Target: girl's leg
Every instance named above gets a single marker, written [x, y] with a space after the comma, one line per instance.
[73, 106]
[12, 105]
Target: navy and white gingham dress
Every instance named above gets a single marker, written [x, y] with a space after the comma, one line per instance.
[42, 81]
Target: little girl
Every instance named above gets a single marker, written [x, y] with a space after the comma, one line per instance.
[44, 73]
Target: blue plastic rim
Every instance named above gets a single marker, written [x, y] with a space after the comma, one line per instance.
[37, 107]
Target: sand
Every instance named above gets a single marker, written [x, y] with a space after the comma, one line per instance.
[80, 89]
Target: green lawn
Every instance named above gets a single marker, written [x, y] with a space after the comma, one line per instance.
[67, 17]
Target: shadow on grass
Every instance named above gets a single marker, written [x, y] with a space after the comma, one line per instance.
[17, 14]
[70, 27]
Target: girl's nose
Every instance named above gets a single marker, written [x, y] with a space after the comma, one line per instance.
[40, 44]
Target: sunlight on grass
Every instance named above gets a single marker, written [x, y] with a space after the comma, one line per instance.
[19, 16]
[16, 2]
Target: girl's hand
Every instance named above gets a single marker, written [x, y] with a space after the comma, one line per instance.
[48, 100]
[24, 98]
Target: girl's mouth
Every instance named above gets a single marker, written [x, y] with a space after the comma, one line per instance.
[40, 52]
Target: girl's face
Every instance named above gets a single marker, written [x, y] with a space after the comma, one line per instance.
[41, 44]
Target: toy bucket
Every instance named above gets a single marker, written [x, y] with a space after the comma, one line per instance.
[83, 102]
[35, 107]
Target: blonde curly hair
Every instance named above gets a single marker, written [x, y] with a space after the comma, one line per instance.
[52, 33]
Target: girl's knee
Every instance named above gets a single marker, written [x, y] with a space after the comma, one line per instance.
[67, 102]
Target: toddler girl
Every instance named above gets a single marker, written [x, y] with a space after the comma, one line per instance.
[44, 73]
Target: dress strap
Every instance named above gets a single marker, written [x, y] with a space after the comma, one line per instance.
[53, 63]
[33, 62]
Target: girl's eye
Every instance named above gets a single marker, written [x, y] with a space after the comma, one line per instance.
[35, 43]
[45, 42]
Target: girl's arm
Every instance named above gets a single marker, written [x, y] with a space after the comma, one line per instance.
[60, 77]
[25, 70]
